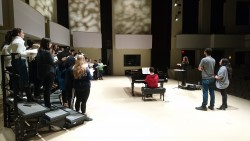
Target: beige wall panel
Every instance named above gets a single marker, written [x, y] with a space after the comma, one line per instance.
[118, 62]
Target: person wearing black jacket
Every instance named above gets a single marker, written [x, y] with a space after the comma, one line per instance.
[69, 78]
[45, 69]
[184, 66]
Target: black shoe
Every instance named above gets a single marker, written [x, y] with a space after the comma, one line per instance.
[201, 108]
[53, 108]
[211, 107]
[37, 97]
[31, 100]
[86, 118]
[222, 108]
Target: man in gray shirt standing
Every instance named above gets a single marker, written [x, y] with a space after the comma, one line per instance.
[206, 66]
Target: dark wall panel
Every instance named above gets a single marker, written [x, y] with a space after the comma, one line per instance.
[106, 30]
[190, 16]
[62, 13]
[217, 8]
[161, 32]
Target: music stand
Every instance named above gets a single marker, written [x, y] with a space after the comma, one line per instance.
[178, 70]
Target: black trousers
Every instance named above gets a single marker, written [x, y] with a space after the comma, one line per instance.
[47, 85]
[21, 77]
[67, 97]
[9, 69]
[82, 95]
[224, 97]
[184, 78]
[95, 75]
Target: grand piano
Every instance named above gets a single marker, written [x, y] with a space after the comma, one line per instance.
[138, 77]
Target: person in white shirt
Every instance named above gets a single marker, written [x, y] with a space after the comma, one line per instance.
[7, 57]
[19, 66]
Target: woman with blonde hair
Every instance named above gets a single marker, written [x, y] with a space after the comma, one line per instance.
[81, 84]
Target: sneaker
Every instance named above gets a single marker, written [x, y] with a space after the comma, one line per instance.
[211, 107]
[201, 108]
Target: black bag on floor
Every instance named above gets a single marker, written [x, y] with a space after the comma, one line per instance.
[193, 87]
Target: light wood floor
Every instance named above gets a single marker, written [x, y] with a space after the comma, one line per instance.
[118, 116]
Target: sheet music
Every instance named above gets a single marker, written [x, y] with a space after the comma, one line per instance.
[179, 70]
[145, 70]
[31, 51]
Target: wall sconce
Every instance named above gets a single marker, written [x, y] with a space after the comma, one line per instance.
[177, 3]
[177, 16]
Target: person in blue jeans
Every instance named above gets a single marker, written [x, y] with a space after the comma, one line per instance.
[206, 67]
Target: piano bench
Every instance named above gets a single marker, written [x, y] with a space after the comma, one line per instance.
[146, 91]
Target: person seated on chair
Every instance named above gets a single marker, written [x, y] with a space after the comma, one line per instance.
[152, 80]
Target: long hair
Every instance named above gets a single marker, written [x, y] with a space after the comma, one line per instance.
[185, 60]
[8, 38]
[79, 69]
[45, 43]
[225, 62]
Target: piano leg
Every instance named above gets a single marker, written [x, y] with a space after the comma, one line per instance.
[161, 84]
[132, 87]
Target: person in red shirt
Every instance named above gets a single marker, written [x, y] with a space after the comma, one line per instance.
[152, 80]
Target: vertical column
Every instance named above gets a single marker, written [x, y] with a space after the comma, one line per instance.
[204, 16]
[106, 30]
[175, 30]
[62, 13]
[161, 33]
[217, 14]
[190, 17]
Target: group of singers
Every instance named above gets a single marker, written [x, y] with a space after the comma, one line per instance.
[43, 71]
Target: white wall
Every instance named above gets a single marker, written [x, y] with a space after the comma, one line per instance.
[133, 41]
[59, 34]
[28, 19]
[87, 39]
[131, 45]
